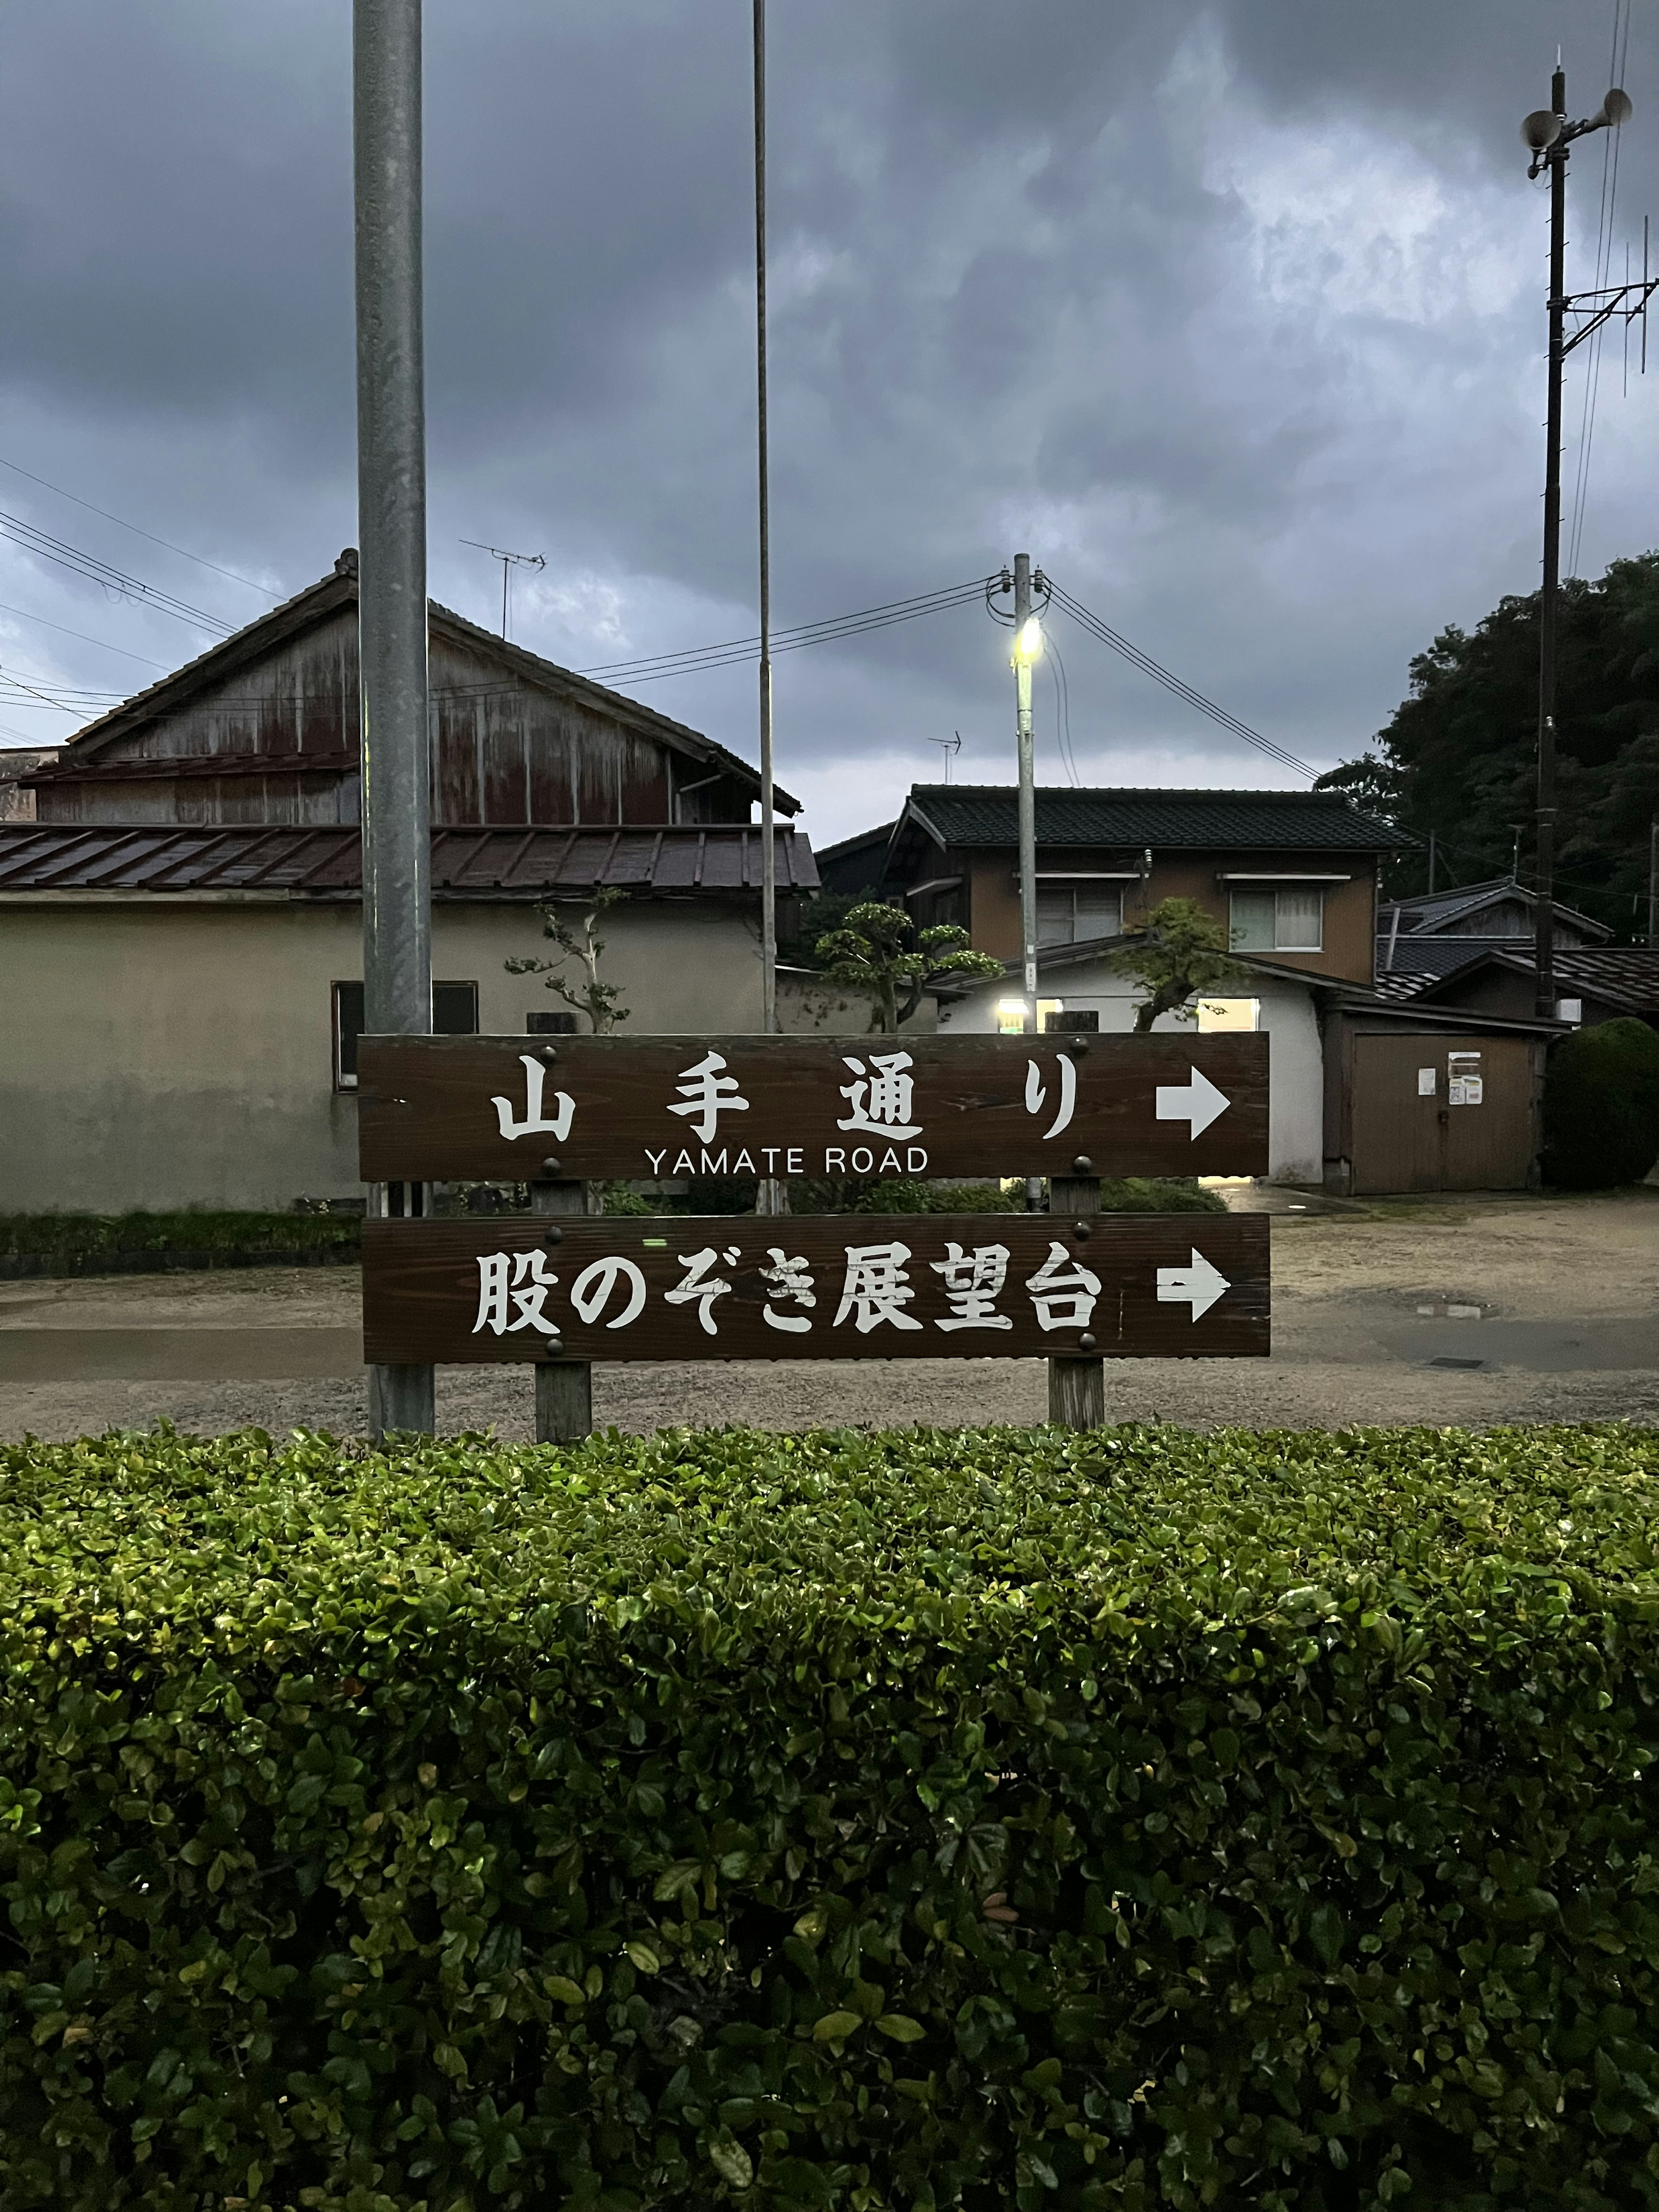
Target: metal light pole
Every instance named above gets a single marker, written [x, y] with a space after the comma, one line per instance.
[1547, 132]
[769, 838]
[1025, 648]
[391, 580]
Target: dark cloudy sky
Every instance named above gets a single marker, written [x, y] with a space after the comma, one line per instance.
[1231, 315]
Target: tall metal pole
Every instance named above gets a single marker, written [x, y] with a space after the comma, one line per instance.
[391, 577]
[1028, 934]
[1653, 881]
[768, 840]
[1549, 594]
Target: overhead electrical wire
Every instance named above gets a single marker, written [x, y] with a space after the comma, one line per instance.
[23, 615]
[165, 543]
[1603, 266]
[653, 668]
[45, 547]
[1106, 635]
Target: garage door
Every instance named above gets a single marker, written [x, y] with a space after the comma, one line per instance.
[1442, 1112]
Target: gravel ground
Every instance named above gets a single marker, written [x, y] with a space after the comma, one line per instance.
[1567, 1291]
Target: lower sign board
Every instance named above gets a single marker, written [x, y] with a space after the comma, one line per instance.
[455, 1108]
[827, 1286]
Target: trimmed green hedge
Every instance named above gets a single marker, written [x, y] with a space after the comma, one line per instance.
[146, 1243]
[1602, 1106]
[992, 1818]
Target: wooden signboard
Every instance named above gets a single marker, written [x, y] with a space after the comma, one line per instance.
[478, 1109]
[864, 1287]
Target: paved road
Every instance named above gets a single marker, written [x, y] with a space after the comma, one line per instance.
[1468, 1310]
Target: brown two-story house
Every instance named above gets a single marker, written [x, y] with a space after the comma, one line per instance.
[1366, 1093]
[1292, 874]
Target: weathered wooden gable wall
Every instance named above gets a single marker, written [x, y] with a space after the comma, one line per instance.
[299, 699]
[505, 751]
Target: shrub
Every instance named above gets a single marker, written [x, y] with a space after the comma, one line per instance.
[145, 1243]
[991, 1818]
[1602, 1106]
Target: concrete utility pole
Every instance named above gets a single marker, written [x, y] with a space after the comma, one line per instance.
[397, 843]
[1653, 881]
[768, 826]
[1549, 134]
[1023, 656]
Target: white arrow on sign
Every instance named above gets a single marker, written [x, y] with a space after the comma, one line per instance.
[1198, 1101]
[1199, 1285]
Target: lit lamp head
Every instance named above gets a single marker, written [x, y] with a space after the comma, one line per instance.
[1028, 640]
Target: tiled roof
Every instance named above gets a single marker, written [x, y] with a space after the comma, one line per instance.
[1430, 958]
[1623, 975]
[326, 861]
[1234, 821]
[1437, 913]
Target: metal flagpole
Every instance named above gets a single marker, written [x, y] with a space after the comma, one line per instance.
[391, 580]
[769, 843]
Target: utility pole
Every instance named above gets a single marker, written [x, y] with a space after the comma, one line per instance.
[396, 844]
[1549, 134]
[1544, 861]
[1653, 881]
[1024, 654]
[768, 831]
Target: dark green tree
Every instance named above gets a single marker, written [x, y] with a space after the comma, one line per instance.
[1602, 1106]
[1176, 955]
[880, 951]
[1458, 758]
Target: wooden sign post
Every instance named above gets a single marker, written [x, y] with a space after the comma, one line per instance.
[562, 1289]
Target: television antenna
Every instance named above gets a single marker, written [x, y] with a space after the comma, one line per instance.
[950, 747]
[509, 562]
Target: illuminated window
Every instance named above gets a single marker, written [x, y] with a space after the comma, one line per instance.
[1289, 920]
[1216, 1014]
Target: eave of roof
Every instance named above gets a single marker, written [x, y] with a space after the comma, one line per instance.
[332, 594]
[325, 861]
[984, 816]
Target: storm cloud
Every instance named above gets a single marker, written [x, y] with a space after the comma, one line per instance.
[1230, 315]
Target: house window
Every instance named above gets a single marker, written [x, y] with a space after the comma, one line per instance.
[1011, 1015]
[454, 1013]
[545, 1024]
[1289, 920]
[1074, 913]
[1072, 1021]
[1215, 1015]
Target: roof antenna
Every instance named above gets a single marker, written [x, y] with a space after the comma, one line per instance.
[508, 560]
[950, 747]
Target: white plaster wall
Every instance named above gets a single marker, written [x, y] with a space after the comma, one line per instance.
[1296, 1102]
[161, 1053]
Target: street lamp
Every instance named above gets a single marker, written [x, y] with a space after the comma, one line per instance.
[1027, 645]
[1548, 134]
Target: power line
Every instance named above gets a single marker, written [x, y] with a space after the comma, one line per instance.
[651, 669]
[23, 615]
[120, 524]
[1603, 269]
[16, 531]
[1148, 666]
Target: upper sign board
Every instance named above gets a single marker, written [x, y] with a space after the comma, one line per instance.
[481, 1108]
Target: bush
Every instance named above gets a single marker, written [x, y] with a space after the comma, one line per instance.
[147, 1243]
[1602, 1106]
[992, 1818]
